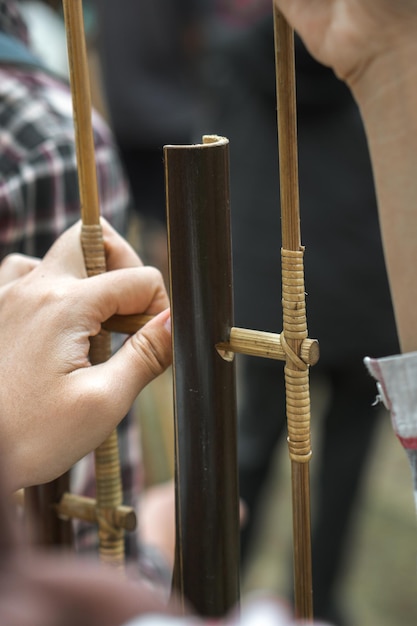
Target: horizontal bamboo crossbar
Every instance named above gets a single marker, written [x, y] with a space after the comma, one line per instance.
[241, 340]
[83, 508]
[267, 345]
[72, 506]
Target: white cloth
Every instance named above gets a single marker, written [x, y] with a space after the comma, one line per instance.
[396, 378]
[397, 385]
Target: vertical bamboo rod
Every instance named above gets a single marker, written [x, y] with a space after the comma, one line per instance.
[81, 98]
[207, 520]
[108, 478]
[294, 324]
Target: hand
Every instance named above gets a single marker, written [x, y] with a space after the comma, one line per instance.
[56, 407]
[14, 266]
[348, 35]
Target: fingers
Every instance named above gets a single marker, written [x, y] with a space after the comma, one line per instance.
[112, 387]
[147, 353]
[15, 266]
[66, 255]
[124, 292]
[118, 252]
[127, 288]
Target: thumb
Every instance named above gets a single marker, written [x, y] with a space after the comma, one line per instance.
[149, 350]
[143, 357]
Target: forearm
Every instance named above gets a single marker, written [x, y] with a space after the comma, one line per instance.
[388, 102]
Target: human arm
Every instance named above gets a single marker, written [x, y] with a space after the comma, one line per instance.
[55, 406]
[372, 46]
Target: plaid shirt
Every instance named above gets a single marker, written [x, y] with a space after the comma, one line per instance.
[39, 195]
[39, 199]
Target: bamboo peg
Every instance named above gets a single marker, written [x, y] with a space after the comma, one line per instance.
[267, 345]
[72, 506]
[241, 340]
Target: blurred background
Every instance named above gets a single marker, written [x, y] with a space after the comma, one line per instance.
[380, 577]
[379, 581]
[209, 78]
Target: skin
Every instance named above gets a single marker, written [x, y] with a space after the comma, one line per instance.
[351, 35]
[57, 407]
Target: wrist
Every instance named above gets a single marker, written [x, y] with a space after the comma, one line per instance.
[386, 93]
[386, 88]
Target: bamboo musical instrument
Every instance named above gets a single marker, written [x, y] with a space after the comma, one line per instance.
[292, 345]
[294, 317]
[207, 572]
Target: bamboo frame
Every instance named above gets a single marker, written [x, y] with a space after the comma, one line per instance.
[197, 180]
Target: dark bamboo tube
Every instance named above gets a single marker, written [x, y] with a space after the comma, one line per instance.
[206, 572]
[108, 476]
[294, 318]
[45, 527]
